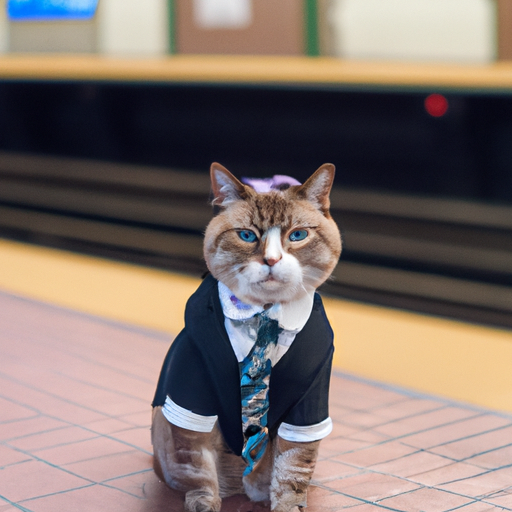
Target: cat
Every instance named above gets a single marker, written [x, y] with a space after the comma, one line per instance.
[241, 403]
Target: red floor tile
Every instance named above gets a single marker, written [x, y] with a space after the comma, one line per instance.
[406, 408]
[361, 419]
[8, 508]
[501, 499]
[34, 478]
[469, 447]
[75, 396]
[9, 456]
[53, 438]
[371, 486]
[368, 507]
[138, 437]
[328, 470]
[92, 498]
[479, 506]
[424, 421]
[137, 483]
[420, 500]
[494, 458]
[411, 464]
[482, 485]
[19, 429]
[322, 500]
[111, 466]
[445, 474]
[89, 449]
[107, 426]
[141, 418]
[11, 411]
[460, 429]
[337, 445]
[378, 454]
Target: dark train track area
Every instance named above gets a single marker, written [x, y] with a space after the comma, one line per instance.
[121, 171]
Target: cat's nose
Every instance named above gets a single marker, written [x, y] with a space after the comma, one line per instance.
[271, 261]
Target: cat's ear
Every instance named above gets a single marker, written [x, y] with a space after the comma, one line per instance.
[317, 188]
[226, 188]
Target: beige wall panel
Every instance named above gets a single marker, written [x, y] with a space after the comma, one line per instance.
[421, 30]
[133, 27]
[54, 36]
[4, 28]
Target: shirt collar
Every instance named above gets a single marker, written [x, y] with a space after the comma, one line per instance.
[292, 316]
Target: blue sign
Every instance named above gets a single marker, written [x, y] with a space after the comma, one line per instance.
[51, 9]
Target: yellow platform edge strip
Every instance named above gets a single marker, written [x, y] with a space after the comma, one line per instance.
[446, 358]
[255, 69]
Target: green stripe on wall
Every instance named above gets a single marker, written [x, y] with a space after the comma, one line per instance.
[311, 28]
[171, 17]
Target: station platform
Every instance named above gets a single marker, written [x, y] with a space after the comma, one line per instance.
[75, 393]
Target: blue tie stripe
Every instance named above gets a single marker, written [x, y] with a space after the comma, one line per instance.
[255, 372]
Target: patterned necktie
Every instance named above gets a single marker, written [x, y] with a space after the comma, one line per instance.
[254, 385]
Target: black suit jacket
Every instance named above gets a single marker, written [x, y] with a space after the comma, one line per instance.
[200, 372]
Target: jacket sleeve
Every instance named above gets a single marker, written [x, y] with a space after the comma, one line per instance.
[184, 379]
[311, 413]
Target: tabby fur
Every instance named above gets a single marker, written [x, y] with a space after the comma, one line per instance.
[272, 269]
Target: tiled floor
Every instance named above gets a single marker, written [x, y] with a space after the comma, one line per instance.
[74, 430]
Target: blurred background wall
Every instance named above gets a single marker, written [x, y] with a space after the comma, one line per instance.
[133, 27]
[128, 27]
[4, 29]
[118, 167]
[441, 30]
[437, 30]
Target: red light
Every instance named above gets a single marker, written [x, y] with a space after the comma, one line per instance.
[436, 105]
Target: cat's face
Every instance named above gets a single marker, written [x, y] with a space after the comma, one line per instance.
[275, 246]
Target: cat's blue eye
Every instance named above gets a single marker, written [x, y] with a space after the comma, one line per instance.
[247, 235]
[298, 235]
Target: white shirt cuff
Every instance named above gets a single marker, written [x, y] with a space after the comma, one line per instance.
[187, 419]
[305, 434]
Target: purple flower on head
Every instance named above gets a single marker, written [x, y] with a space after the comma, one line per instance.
[277, 182]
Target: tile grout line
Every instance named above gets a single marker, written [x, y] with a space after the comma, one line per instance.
[82, 357]
[508, 425]
[102, 388]
[420, 486]
[17, 462]
[70, 312]
[55, 466]
[428, 450]
[34, 454]
[57, 397]
[58, 492]
[478, 501]
[419, 394]
[438, 488]
[15, 505]
[399, 438]
[129, 474]
[41, 432]
[483, 453]
[362, 500]
[70, 424]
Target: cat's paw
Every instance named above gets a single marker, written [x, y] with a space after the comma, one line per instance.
[288, 502]
[285, 509]
[201, 500]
